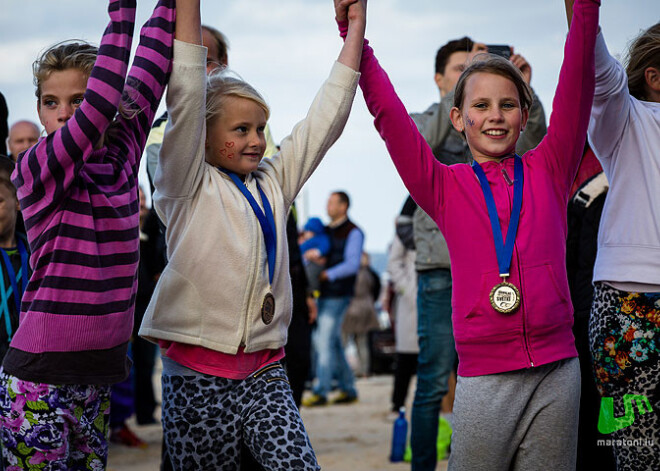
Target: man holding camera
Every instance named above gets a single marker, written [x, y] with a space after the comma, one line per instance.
[437, 356]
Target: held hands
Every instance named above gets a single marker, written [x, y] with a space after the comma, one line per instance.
[351, 10]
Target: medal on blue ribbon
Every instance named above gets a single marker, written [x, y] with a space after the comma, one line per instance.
[505, 296]
[267, 223]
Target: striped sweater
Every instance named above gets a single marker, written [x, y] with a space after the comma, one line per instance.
[80, 203]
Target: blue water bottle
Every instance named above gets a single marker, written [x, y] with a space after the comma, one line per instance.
[399, 437]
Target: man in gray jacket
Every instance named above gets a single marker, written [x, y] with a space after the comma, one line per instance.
[437, 355]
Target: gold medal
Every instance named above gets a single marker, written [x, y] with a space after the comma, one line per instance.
[268, 309]
[505, 297]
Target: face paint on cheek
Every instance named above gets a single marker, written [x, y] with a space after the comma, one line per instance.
[223, 152]
[469, 121]
[230, 156]
[229, 144]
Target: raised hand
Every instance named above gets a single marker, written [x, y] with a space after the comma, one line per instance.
[357, 11]
[341, 9]
[526, 69]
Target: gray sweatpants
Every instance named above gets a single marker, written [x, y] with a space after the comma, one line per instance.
[524, 420]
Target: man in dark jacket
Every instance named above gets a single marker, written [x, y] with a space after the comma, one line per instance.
[337, 288]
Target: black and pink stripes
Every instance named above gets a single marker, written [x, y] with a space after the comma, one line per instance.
[80, 207]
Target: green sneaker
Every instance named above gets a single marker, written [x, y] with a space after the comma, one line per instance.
[444, 438]
[314, 400]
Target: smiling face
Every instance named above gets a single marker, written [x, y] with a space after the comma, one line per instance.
[235, 139]
[491, 116]
[61, 94]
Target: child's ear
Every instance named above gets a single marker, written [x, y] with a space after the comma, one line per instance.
[457, 119]
[652, 78]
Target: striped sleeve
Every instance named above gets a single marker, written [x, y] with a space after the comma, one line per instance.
[148, 76]
[45, 173]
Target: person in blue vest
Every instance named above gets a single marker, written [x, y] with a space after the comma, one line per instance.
[337, 288]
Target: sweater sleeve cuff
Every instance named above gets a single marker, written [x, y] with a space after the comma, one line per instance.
[343, 74]
[343, 28]
[189, 54]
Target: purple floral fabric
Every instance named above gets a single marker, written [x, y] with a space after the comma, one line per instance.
[54, 427]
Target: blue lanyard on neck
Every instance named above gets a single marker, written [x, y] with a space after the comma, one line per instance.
[503, 250]
[266, 221]
[12, 275]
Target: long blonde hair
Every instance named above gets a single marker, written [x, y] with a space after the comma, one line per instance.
[219, 86]
[644, 52]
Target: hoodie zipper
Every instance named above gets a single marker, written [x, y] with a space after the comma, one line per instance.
[509, 183]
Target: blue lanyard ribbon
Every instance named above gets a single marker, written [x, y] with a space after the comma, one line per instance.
[12, 275]
[267, 220]
[503, 250]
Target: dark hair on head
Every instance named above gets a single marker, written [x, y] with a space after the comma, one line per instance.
[70, 54]
[343, 197]
[6, 182]
[221, 42]
[644, 52]
[7, 166]
[464, 44]
[497, 65]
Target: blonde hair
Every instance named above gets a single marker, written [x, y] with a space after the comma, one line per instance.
[497, 65]
[219, 86]
[71, 54]
[644, 52]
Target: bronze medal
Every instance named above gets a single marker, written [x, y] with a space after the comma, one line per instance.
[505, 298]
[268, 309]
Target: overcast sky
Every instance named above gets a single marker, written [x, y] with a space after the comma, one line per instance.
[285, 48]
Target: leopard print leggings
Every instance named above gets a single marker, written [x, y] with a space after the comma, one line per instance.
[207, 418]
[624, 337]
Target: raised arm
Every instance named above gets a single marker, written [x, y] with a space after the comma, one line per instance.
[149, 74]
[610, 113]
[421, 173]
[302, 151]
[536, 127]
[355, 12]
[45, 172]
[562, 147]
[181, 158]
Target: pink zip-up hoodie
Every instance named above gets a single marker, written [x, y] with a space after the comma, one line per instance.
[539, 332]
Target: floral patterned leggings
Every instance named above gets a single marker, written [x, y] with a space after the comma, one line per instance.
[53, 427]
[624, 336]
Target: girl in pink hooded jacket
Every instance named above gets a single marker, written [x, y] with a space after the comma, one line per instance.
[517, 397]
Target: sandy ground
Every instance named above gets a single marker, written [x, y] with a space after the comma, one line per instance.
[353, 437]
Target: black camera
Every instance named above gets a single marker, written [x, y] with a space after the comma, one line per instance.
[500, 50]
